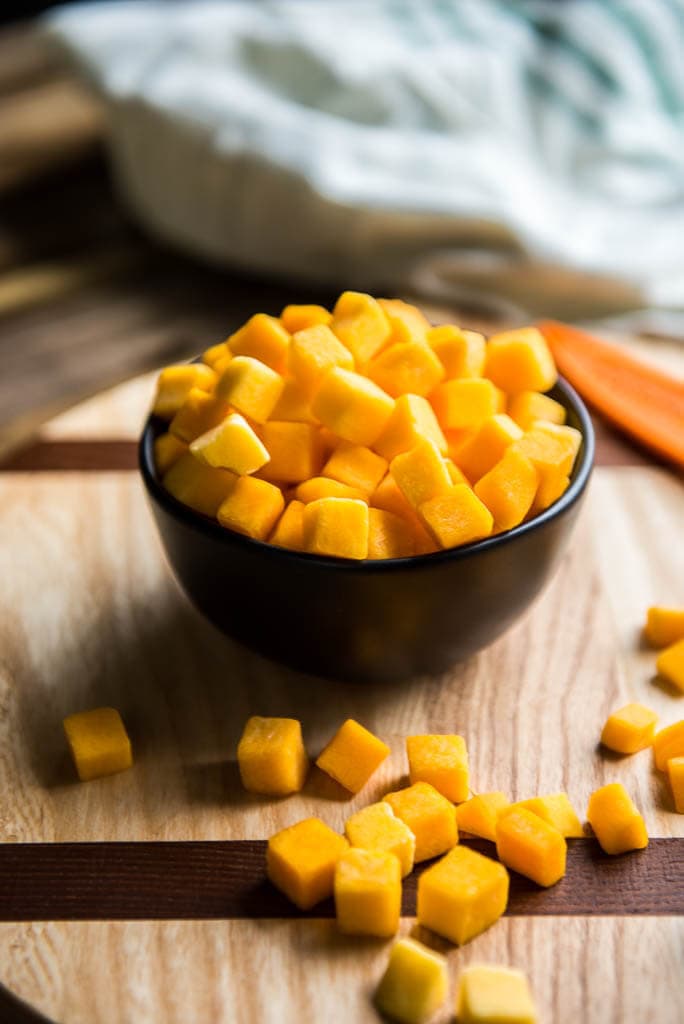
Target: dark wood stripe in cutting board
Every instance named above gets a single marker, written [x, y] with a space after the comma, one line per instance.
[186, 880]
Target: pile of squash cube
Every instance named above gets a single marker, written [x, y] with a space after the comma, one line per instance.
[365, 432]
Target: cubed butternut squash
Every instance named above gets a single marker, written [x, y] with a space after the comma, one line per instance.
[201, 487]
[175, 383]
[456, 516]
[410, 367]
[556, 810]
[616, 822]
[298, 317]
[200, 411]
[313, 352]
[429, 815]
[98, 742]
[629, 729]
[508, 489]
[352, 406]
[664, 626]
[675, 773]
[361, 325]
[295, 451]
[323, 487]
[413, 420]
[367, 891]
[251, 386]
[520, 360]
[232, 445]
[414, 985]
[301, 860]
[461, 353]
[670, 664]
[667, 743]
[264, 338]
[494, 995]
[420, 473]
[441, 760]
[356, 466]
[462, 895]
[479, 815]
[271, 756]
[480, 452]
[465, 402]
[252, 508]
[352, 755]
[167, 450]
[376, 827]
[337, 527]
[289, 530]
[529, 406]
[529, 845]
[389, 536]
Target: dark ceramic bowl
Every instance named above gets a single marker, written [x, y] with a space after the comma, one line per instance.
[374, 620]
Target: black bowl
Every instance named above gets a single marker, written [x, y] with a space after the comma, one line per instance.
[374, 620]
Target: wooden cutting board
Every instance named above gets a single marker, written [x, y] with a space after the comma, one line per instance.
[165, 915]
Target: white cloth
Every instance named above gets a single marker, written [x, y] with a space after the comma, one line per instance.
[527, 153]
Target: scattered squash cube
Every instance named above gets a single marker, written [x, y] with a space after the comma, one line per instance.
[480, 452]
[301, 860]
[406, 321]
[461, 353]
[289, 530]
[664, 626]
[352, 755]
[629, 729]
[167, 450]
[465, 402]
[199, 412]
[456, 516]
[98, 742]
[557, 811]
[670, 664]
[295, 451]
[420, 473]
[337, 527]
[478, 816]
[251, 386]
[667, 743]
[462, 895]
[529, 845]
[529, 406]
[494, 995]
[508, 489]
[264, 338]
[200, 487]
[389, 536]
[429, 815]
[441, 760]
[352, 406]
[520, 360]
[313, 352]
[414, 985]
[675, 772]
[252, 508]
[410, 367]
[175, 383]
[293, 405]
[360, 324]
[368, 893]
[215, 353]
[356, 466]
[297, 318]
[271, 756]
[231, 445]
[323, 487]
[376, 827]
[413, 420]
[616, 822]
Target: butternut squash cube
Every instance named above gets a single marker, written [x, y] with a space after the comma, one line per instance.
[253, 507]
[675, 773]
[462, 895]
[478, 816]
[414, 985]
[508, 489]
[420, 473]
[352, 755]
[456, 475]
[429, 815]
[368, 893]
[389, 536]
[551, 487]
[410, 367]
[352, 406]
[529, 845]
[441, 760]
[461, 353]
[360, 324]
[664, 626]
[313, 352]
[670, 664]
[557, 811]
[413, 420]
[520, 360]
[264, 338]
[199, 412]
[289, 530]
[297, 318]
[550, 448]
[301, 860]
[407, 322]
[98, 742]
[323, 487]
[200, 487]
[337, 527]
[271, 756]
[175, 383]
[231, 445]
[387, 496]
[167, 450]
[212, 355]
[487, 445]
[494, 995]
[376, 827]
[616, 822]
[629, 729]
[529, 406]
[465, 402]
[667, 743]
[456, 516]
[356, 466]
[251, 386]
[293, 406]
[295, 451]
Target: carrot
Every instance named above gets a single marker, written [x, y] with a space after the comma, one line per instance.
[640, 399]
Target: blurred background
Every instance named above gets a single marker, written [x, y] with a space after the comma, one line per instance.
[168, 168]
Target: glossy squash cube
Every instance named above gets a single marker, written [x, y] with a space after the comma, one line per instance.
[360, 324]
[301, 860]
[494, 995]
[420, 473]
[352, 406]
[441, 760]
[199, 412]
[557, 811]
[465, 402]
[675, 773]
[251, 386]
[264, 338]
[461, 353]
[529, 845]
[479, 815]
[520, 360]
[232, 445]
[201, 487]
[313, 352]
[508, 489]
[289, 530]
[389, 536]
[376, 827]
[295, 451]
[175, 383]
[323, 487]
[271, 756]
[456, 516]
[410, 367]
[253, 507]
[167, 450]
[414, 985]
[529, 406]
[670, 664]
[352, 755]
[356, 466]
[98, 742]
[413, 420]
[480, 452]
[337, 527]
[629, 729]
[294, 404]
[368, 893]
[298, 317]
[407, 322]
[462, 895]
[616, 822]
[667, 743]
[429, 815]
[664, 626]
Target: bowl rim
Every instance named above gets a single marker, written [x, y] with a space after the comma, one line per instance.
[213, 529]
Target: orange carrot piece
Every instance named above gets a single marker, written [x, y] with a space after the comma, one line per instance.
[640, 399]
